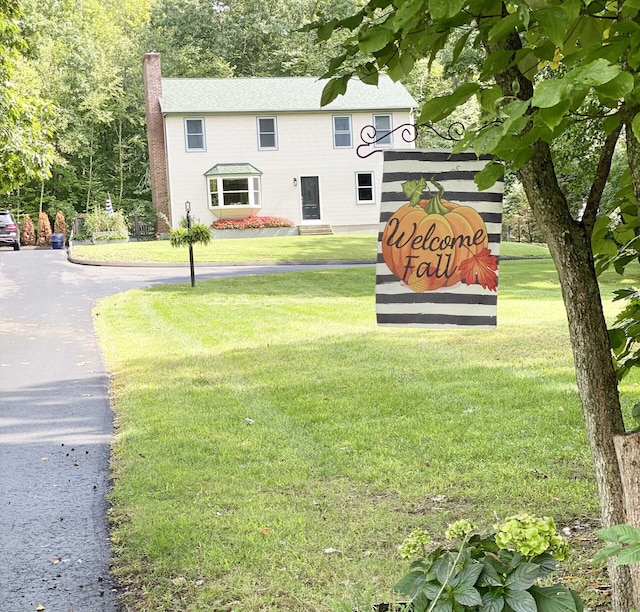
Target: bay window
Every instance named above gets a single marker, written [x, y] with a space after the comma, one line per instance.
[234, 186]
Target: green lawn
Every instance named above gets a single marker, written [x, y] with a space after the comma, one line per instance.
[274, 446]
[293, 248]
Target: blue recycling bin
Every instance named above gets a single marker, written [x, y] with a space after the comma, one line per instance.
[57, 241]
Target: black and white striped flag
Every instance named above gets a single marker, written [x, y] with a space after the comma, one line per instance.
[109, 205]
[438, 243]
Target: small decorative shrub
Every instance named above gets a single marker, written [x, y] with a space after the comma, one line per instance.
[44, 229]
[101, 221]
[28, 232]
[60, 225]
[498, 572]
[253, 222]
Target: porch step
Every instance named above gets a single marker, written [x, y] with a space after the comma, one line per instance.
[314, 230]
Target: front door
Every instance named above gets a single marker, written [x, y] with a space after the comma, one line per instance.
[310, 191]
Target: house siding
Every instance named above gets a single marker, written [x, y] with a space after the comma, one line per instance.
[305, 148]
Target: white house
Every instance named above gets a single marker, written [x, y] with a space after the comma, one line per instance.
[264, 146]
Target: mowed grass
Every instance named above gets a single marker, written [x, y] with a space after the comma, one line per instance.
[274, 446]
[344, 247]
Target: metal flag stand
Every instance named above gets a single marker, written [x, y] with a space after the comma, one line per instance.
[409, 132]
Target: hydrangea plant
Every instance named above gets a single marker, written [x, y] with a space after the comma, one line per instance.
[498, 572]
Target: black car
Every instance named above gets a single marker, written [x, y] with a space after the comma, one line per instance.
[9, 231]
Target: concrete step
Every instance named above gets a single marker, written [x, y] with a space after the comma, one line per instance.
[314, 230]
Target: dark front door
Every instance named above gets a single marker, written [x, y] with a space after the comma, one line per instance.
[310, 190]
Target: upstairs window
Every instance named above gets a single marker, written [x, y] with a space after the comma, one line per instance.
[194, 134]
[267, 133]
[383, 126]
[341, 131]
[364, 188]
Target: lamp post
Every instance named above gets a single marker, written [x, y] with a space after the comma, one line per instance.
[187, 207]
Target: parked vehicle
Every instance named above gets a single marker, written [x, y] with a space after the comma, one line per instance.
[9, 231]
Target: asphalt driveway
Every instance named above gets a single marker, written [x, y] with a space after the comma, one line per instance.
[56, 428]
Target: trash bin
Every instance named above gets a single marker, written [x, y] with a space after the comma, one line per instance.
[57, 241]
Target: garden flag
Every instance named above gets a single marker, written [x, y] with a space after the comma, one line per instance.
[109, 205]
[439, 241]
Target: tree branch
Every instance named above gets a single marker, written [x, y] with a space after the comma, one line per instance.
[600, 180]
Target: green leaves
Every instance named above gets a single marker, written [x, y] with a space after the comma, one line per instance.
[441, 107]
[520, 600]
[523, 577]
[445, 9]
[554, 20]
[556, 599]
[549, 93]
[597, 72]
[375, 38]
[624, 544]
[334, 88]
[635, 126]
[463, 585]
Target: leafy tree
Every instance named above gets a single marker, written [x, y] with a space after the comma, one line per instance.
[549, 70]
[85, 57]
[200, 38]
[25, 129]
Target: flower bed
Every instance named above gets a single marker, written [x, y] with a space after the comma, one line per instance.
[252, 222]
[253, 227]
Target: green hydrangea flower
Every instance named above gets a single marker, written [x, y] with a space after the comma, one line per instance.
[415, 545]
[460, 530]
[531, 536]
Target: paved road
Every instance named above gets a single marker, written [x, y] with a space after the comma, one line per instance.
[56, 427]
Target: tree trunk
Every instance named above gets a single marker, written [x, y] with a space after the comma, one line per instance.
[570, 246]
[90, 182]
[628, 452]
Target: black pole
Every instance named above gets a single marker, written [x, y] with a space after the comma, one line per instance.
[193, 272]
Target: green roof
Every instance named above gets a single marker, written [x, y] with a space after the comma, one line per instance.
[277, 95]
[229, 169]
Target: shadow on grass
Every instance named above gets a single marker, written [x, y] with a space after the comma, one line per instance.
[355, 282]
[529, 279]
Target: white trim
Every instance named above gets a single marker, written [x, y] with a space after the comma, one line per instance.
[372, 174]
[336, 132]
[383, 144]
[202, 134]
[251, 192]
[261, 132]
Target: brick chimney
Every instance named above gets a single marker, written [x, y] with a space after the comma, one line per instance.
[152, 75]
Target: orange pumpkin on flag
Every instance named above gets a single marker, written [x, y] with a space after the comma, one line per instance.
[429, 244]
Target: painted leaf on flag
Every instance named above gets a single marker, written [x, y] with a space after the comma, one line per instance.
[481, 269]
[438, 243]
